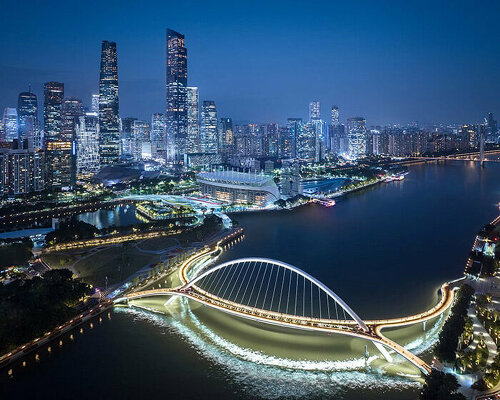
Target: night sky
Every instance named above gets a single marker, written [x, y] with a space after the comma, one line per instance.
[389, 61]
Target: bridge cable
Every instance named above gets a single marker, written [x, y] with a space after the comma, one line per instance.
[319, 298]
[267, 289]
[328, 305]
[214, 281]
[304, 297]
[254, 283]
[336, 309]
[241, 284]
[296, 293]
[248, 282]
[288, 294]
[281, 292]
[233, 286]
[274, 289]
[223, 281]
[210, 279]
[312, 305]
[229, 283]
[261, 282]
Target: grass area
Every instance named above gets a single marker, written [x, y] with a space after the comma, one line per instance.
[158, 243]
[115, 262]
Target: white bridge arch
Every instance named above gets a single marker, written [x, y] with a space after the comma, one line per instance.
[330, 293]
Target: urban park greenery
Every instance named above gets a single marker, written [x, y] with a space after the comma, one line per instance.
[454, 326]
[31, 307]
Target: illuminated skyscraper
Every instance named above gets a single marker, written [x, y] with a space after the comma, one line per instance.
[226, 136]
[94, 108]
[87, 144]
[356, 136]
[11, 130]
[335, 115]
[209, 127]
[58, 147]
[158, 134]
[109, 121]
[194, 140]
[314, 111]
[141, 144]
[29, 129]
[177, 118]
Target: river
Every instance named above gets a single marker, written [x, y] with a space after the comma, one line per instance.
[385, 250]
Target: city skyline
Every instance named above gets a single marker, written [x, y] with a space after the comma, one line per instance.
[363, 75]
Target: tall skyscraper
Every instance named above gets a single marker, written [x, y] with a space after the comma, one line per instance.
[126, 134]
[194, 139]
[58, 148]
[71, 111]
[176, 91]
[109, 120]
[314, 111]
[87, 144]
[94, 107]
[158, 134]
[11, 130]
[209, 127]
[141, 144]
[289, 142]
[356, 136]
[226, 137]
[335, 115]
[27, 106]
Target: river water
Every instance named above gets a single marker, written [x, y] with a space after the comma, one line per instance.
[385, 250]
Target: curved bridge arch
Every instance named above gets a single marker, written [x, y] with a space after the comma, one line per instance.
[289, 267]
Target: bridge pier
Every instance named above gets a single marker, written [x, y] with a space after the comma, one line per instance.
[383, 351]
[425, 325]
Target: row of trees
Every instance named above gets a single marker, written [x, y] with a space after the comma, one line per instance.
[453, 328]
[78, 230]
[29, 308]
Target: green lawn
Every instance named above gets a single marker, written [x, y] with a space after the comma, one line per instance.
[160, 243]
[116, 263]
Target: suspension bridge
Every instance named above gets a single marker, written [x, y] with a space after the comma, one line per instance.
[277, 293]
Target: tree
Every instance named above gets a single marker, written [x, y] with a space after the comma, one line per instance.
[440, 386]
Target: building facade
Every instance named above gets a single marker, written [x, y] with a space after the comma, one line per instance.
[238, 187]
[356, 136]
[194, 138]
[176, 94]
[209, 137]
[109, 120]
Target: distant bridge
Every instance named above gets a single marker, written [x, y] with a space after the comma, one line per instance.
[278, 293]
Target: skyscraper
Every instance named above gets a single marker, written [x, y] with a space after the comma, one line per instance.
[335, 115]
[71, 111]
[209, 127]
[314, 111]
[58, 147]
[356, 136]
[94, 107]
[11, 131]
[109, 121]
[27, 106]
[226, 136]
[158, 134]
[87, 143]
[194, 140]
[176, 92]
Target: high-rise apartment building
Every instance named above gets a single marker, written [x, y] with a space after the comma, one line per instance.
[209, 138]
[314, 111]
[21, 171]
[159, 134]
[176, 94]
[194, 138]
[109, 120]
[87, 144]
[356, 137]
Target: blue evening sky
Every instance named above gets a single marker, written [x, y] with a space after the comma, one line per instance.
[389, 61]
